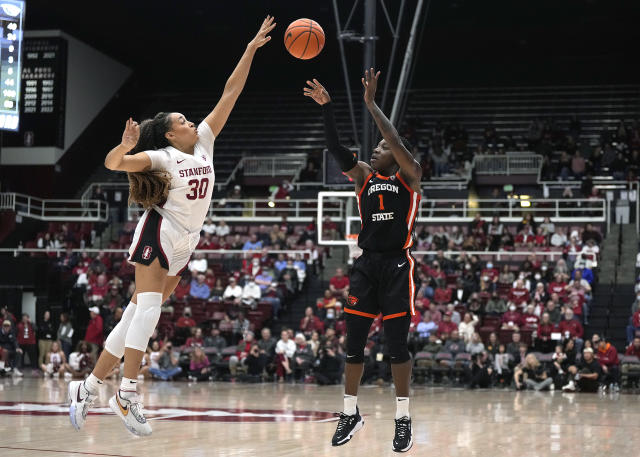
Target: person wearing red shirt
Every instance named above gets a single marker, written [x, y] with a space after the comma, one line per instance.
[607, 356]
[436, 315]
[540, 239]
[339, 284]
[524, 238]
[634, 348]
[94, 335]
[195, 340]
[26, 336]
[185, 320]
[519, 294]
[557, 286]
[529, 319]
[446, 326]
[99, 288]
[182, 289]
[544, 343]
[512, 319]
[634, 327]
[422, 303]
[309, 323]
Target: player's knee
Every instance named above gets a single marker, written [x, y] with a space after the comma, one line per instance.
[144, 321]
[398, 350]
[396, 331]
[116, 339]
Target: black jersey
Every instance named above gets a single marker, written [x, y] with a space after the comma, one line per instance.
[388, 209]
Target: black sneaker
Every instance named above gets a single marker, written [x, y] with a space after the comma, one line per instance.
[402, 442]
[347, 427]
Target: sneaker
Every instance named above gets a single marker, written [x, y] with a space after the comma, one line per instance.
[403, 440]
[68, 376]
[80, 401]
[130, 410]
[17, 372]
[570, 387]
[347, 427]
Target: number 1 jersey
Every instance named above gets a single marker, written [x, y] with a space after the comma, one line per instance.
[388, 209]
[192, 180]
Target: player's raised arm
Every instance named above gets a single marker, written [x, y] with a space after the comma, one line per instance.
[348, 163]
[409, 168]
[118, 160]
[233, 88]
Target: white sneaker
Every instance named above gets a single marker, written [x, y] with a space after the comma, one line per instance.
[17, 372]
[67, 376]
[80, 402]
[130, 410]
[570, 387]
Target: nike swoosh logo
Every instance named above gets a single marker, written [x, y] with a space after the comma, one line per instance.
[400, 265]
[180, 161]
[124, 409]
[350, 356]
[79, 399]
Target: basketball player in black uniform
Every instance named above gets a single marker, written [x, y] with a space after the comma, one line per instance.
[382, 278]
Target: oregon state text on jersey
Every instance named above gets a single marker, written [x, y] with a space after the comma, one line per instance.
[388, 209]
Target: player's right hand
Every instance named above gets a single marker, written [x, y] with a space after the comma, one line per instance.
[131, 134]
[317, 92]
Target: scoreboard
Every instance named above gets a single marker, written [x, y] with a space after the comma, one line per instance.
[11, 28]
[43, 93]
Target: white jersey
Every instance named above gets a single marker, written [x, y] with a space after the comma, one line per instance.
[192, 180]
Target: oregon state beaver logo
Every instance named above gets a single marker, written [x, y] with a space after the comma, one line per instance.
[353, 301]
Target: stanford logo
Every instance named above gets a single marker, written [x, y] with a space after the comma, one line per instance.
[204, 157]
[146, 252]
[353, 301]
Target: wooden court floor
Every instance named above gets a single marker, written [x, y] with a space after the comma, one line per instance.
[218, 419]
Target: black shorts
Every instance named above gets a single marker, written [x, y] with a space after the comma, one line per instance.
[382, 283]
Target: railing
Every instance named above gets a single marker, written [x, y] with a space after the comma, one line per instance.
[267, 210]
[55, 209]
[497, 255]
[508, 164]
[280, 165]
[226, 252]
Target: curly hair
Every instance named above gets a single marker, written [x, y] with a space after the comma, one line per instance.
[149, 188]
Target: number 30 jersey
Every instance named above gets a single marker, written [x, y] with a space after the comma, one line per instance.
[192, 180]
[388, 209]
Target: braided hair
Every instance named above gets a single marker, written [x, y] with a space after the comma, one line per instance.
[149, 188]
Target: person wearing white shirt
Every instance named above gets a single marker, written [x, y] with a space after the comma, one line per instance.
[285, 348]
[199, 264]
[209, 227]
[251, 293]
[467, 327]
[222, 229]
[559, 238]
[233, 291]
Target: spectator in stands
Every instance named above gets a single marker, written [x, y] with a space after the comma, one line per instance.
[555, 313]
[199, 288]
[94, 334]
[214, 340]
[506, 276]
[9, 348]
[195, 340]
[80, 362]
[481, 371]
[571, 328]
[208, 226]
[559, 238]
[309, 323]
[534, 375]
[529, 319]
[65, 334]
[98, 290]
[251, 293]
[185, 321]
[199, 264]
[182, 289]
[454, 344]
[446, 327]
[633, 348]
[339, 284]
[263, 280]
[242, 351]
[607, 357]
[26, 336]
[281, 263]
[233, 292]
[222, 229]
[199, 366]
[167, 364]
[544, 332]
[285, 349]
[241, 325]
[585, 375]
[256, 361]
[513, 347]
[252, 244]
[329, 369]
[302, 358]
[475, 345]
[329, 229]
[112, 320]
[634, 326]
[467, 327]
[512, 319]
[496, 305]
[267, 343]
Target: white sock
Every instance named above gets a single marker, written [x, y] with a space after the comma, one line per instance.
[402, 407]
[350, 403]
[128, 387]
[92, 384]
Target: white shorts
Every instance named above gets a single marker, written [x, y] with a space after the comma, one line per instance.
[156, 237]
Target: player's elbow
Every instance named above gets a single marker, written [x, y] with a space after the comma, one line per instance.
[111, 164]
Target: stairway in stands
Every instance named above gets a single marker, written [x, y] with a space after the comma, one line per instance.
[612, 299]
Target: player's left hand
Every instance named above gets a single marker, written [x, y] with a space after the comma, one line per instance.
[370, 83]
[261, 37]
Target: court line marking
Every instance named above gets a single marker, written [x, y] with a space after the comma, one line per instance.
[61, 452]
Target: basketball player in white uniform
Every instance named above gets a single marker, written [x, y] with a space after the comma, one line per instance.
[173, 156]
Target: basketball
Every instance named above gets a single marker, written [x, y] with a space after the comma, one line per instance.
[304, 39]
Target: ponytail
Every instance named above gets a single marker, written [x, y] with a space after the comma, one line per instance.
[149, 188]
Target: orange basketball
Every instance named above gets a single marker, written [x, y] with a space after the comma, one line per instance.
[304, 39]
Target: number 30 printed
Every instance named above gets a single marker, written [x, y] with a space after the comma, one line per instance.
[198, 189]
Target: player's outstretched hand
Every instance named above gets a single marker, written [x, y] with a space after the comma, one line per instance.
[370, 83]
[261, 37]
[131, 134]
[317, 92]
